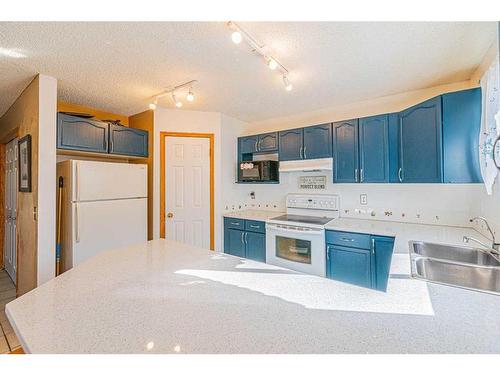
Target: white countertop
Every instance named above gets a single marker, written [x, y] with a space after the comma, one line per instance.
[261, 215]
[166, 297]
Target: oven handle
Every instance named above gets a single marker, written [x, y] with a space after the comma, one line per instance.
[312, 231]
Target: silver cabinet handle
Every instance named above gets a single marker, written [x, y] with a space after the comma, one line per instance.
[400, 174]
[301, 152]
[257, 145]
[328, 253]
[255, 226]
[305, 148]
[362, 174]
[356, 174]
[246, 237]
[347, 239]
[237, 224]
[373, 246]
[242, 237]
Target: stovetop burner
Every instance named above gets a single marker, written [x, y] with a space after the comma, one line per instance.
[304, 219]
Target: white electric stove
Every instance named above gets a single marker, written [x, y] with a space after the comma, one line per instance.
[297, 240]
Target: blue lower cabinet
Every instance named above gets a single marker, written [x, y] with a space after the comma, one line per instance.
[234, 242]
[350, 265]
[245, 238]
[358, 262]
[255, 246]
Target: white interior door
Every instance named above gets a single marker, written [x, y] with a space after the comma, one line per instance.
[10, 240]
[187, 190]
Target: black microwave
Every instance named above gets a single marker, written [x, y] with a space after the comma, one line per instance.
[262, 170]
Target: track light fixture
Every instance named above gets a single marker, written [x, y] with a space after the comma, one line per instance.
[239, 34]
[173, 90]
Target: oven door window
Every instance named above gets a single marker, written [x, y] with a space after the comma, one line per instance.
[293, 249]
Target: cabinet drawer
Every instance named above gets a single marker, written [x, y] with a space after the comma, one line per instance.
[356, 240]
[255, 226]
[233, 223]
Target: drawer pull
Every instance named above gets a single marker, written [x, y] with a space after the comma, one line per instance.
[235, 224]
[255, 226]
[347, 239]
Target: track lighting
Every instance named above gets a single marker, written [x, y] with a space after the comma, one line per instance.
[286, 82]
[152, 106]
[272, 64]
[178, 103]
[236, 37]
[190, 96]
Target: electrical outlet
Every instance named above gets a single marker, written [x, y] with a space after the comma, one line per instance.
[363, 199]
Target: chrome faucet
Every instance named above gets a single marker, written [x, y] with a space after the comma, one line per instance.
[495, 246]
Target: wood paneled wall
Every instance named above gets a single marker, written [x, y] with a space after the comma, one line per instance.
[101, 115]
[145, 121]
[22, 117]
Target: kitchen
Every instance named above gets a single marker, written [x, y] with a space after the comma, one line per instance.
[313, 228]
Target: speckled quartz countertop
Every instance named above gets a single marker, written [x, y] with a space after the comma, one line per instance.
[261, 215]
[166, 297]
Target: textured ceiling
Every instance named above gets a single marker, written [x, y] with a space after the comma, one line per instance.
[118, 66]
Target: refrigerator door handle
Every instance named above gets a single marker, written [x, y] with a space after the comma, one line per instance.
[77, 182]
[77, 222]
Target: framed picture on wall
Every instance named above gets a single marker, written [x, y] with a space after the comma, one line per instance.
[24, 147]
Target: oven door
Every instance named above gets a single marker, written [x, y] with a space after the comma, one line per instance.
[297, 248]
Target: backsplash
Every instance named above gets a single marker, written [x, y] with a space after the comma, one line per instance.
[443, 204]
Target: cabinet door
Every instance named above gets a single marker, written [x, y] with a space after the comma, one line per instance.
[373, 149]
[249, 144]
[382, 248]
[318, 141]
[268, 142]
[291, 144]
[255, 246]
[349, 265]
[420, 142]
[127, 141]
[234, 242]
[461, 126]
[80, 134]
[345, 151]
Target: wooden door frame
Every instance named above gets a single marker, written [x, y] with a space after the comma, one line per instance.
[163, 136]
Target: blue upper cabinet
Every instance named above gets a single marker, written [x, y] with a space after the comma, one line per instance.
[268, 142]
[317, 141]
[420, 152]
[461, 126]
[291, 144]
[345, 151]
[249, 144]
[374, 149]
[127, 141]
[81, 134]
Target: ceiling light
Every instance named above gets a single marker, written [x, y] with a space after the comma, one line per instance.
[288, 85]
[8, 52]
[190, 96]
[236, 37]
[152, 106]
[272, 64]
[178, 103]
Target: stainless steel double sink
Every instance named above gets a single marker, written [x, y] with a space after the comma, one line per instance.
[459, 266]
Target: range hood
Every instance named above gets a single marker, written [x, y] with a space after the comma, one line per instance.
[310, 165]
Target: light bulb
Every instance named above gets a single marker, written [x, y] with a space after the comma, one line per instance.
[152, 106]
[236, 37]
[272, 64]
[288, 85]
[178, 104]
[190, 96]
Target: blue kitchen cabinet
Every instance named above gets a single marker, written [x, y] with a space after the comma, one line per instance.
[345, 151]
[234, 242]
[374, 149]
[248, 144]
[350, 265]
[245, 238]
[291, 144]
[382, 248]
[268, 142]
[127, 141]
[420, 136]
[255, 246]
[317, 141]
[461, 127]
[81, 134]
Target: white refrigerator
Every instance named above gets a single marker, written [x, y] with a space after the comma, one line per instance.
[104, 207]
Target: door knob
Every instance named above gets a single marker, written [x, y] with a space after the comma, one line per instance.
[170, 215]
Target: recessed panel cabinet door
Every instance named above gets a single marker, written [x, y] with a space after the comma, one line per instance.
[80, 134]
[127, 141]
[255, 246]
[345, 151]
[234, 242]
[420, 142]
[291, 144]
[318, 141]
[373, 149]
[350, 265]
[249, 144]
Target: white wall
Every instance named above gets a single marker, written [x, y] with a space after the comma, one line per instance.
[46, 179]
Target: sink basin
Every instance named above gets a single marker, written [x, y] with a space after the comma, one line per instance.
[461, 254]
[460, 266]
[466, 276]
